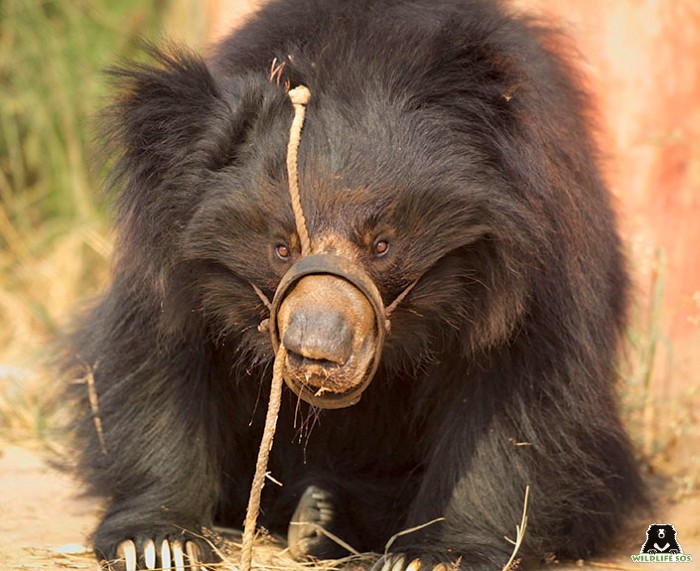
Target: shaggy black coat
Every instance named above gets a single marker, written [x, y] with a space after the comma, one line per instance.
[457, 133]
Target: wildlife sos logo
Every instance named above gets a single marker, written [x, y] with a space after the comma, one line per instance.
[661, 546]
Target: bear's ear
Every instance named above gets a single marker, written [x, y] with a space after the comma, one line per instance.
[161, 110]
[171, 123]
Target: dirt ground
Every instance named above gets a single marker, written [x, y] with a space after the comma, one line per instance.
[44, 522]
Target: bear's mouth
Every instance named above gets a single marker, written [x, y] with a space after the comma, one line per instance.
[329, 384]
[297, 360]
[329, 317]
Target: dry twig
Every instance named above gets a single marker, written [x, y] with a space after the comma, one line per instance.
[519, 534]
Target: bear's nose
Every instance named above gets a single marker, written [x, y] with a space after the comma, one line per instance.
[322, 336]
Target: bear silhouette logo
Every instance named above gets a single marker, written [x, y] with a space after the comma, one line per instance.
[661, 539]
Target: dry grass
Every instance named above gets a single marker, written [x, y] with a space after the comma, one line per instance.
[37, 295]
[54, 242]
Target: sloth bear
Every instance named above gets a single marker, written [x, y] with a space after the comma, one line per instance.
[446, 159]
[661, 538]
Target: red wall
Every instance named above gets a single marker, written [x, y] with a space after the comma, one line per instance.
[643, 62]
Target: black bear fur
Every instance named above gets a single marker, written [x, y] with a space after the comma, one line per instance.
[459, 132]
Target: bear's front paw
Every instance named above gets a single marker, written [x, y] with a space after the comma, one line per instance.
[162, 553]
[310, 525]
[406, 562]
[652, 551]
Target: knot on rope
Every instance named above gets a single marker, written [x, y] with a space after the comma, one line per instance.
[300, 95]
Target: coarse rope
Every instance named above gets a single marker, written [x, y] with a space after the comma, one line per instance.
[253, 509]
[300, 97]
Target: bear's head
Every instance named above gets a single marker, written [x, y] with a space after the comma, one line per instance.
[395, 189]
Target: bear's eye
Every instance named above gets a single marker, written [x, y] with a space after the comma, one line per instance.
[282, 251]
[381, 247]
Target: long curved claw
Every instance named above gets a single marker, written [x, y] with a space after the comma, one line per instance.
[166, 561]
[398, 563]
[178, 556]
[389, 562]
[194, 555]
[149, 554]
[126, 550]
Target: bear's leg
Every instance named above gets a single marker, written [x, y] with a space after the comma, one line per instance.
[154, 456]
[475, 481]
[149, 531]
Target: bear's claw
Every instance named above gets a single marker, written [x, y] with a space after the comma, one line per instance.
[398, 562]
[170, 556]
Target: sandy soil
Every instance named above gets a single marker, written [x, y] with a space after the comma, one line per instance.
[41, 514]
[44, 522]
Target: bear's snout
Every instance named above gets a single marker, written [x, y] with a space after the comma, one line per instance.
[319, 335]
[329, 329]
